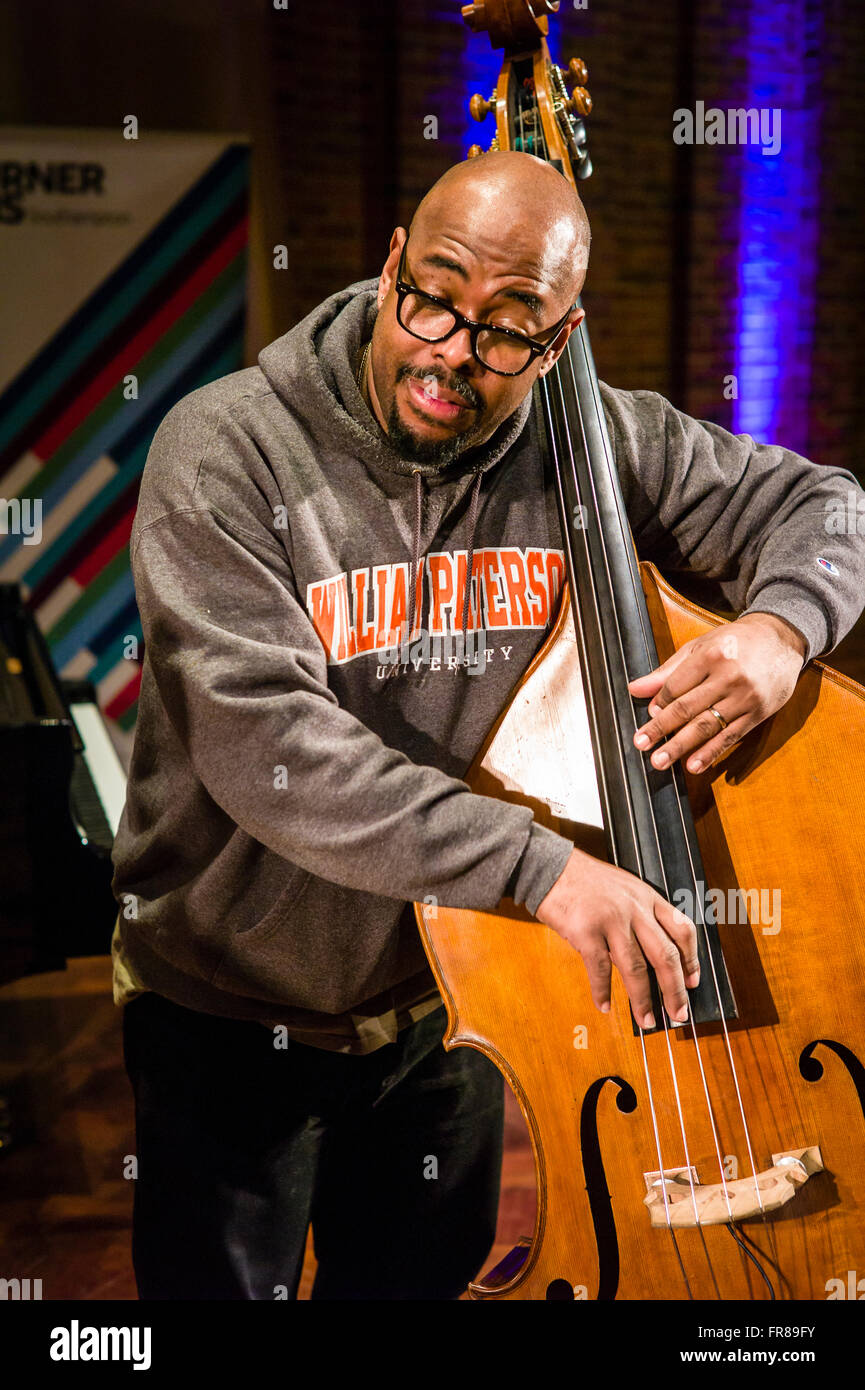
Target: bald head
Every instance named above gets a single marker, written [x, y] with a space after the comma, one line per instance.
[510, 200]
[503, 242]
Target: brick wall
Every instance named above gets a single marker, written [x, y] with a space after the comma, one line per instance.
[351, 87]
[334, 99]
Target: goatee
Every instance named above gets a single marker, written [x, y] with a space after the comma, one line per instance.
[435, 453]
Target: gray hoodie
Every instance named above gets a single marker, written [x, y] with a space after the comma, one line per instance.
[295, 782]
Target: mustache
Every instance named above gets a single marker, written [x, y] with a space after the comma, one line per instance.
[457, 384]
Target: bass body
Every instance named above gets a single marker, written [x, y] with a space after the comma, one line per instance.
[794, 946]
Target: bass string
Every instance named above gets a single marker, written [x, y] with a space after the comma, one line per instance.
[633, 831]
[657, 1135]
[554, 446]
[727, 1041]
[539, 134]
[632, 828]
[671, 1059]
[605, 671]
[522, 128]
[709, 952]
[646, 1069]
[539, 131]
[716, 984]
[662, 1167]
[667, 1029]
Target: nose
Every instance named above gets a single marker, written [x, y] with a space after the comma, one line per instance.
[456, 352]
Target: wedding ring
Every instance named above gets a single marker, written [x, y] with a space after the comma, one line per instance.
[720, 718]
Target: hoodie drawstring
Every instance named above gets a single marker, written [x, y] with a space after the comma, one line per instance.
[473, 519]
[474, 507]
[415, 554]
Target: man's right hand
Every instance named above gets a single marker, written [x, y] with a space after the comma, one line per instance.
[612, 918]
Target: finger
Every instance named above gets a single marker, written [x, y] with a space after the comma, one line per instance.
[684, 676]
[701, 734]
[644, 686]
[682, 710]
[599, 971]
[662, 953]
[631, 965]
[722, 743]
[715, 655]
[683, 931]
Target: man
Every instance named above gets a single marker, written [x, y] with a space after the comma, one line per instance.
[291, 793]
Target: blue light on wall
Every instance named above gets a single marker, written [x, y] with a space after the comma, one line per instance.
[778, 228]
[481, 65]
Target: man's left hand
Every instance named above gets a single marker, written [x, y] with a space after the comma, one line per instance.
[746, 670]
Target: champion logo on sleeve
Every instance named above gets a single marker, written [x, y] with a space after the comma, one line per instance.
[827, 565]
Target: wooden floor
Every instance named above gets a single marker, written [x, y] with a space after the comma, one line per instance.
[65, 1207]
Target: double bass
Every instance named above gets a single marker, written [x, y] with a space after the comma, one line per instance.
[723, 1158]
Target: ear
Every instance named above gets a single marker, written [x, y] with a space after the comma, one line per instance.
[388, 273]
[557, 346]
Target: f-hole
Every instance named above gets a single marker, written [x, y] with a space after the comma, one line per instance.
[811, 1067]
[600, 1202]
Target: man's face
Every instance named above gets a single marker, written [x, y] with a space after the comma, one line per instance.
[436, 400]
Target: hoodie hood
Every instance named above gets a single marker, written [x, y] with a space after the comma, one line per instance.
[314, 364]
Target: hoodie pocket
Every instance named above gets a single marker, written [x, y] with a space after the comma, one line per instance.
[246, 943]
[322, 948]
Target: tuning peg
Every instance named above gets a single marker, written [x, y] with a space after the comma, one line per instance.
[480, 108]
[474, 150]
[580, 102]
[579, 72]
[474, 15]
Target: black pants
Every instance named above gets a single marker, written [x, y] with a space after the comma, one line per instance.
[394, 1157]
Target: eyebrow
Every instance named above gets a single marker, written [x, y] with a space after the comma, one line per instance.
[522, 296]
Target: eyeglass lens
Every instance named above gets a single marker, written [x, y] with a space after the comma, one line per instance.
[432, 322]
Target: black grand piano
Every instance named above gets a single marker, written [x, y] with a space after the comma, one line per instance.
[62, 788]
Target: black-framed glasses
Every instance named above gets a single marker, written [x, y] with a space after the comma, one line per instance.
[500, 350]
